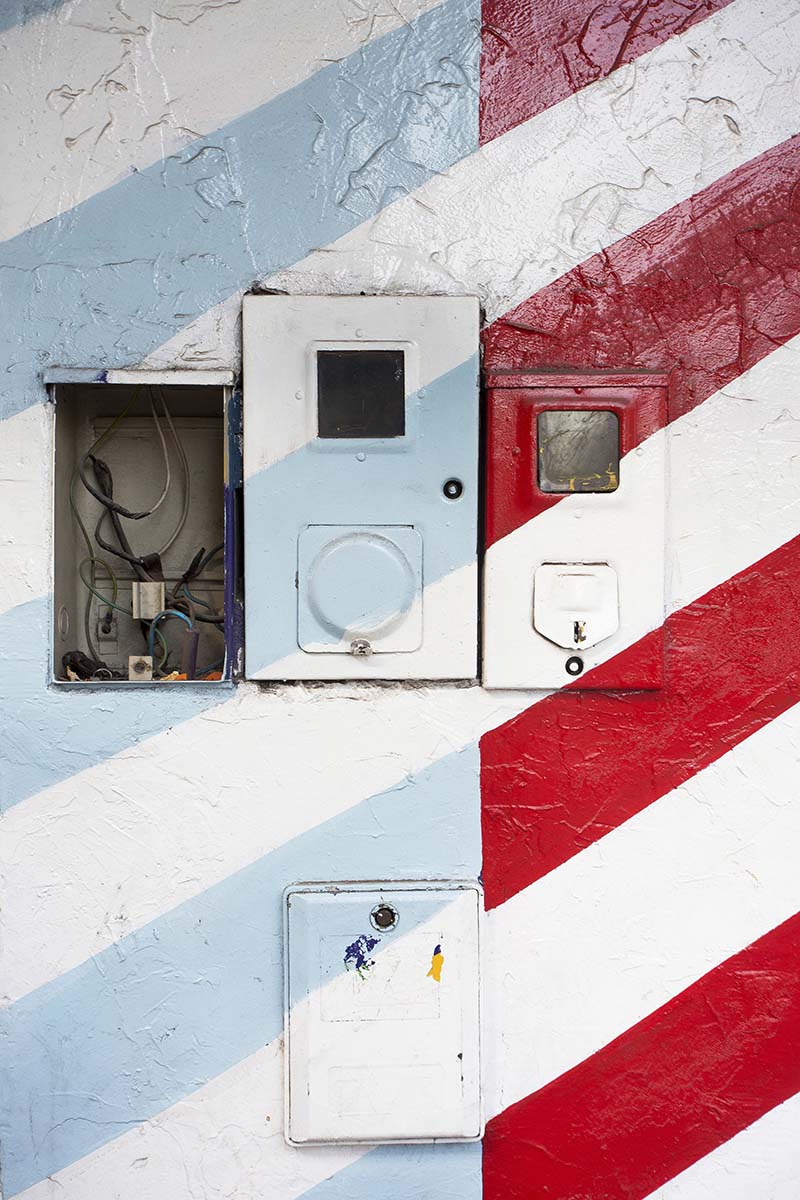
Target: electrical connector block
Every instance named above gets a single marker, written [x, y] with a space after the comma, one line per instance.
[147, 599]
[140, 668]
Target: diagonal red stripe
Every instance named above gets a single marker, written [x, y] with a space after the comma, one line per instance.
[537, 52]
[683, 1081]
[704, 292]
[579, 763]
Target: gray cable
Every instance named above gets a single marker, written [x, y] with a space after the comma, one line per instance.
[186, 478]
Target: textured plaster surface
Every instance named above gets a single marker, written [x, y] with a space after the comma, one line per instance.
[160, 160]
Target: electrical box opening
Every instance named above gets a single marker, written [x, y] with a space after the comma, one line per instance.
[143, 540]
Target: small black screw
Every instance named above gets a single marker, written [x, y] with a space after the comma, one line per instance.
[574, 665]
[453, 489]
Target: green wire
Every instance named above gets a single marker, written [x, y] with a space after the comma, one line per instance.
[105, 600]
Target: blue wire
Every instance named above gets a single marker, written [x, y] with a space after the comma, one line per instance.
[195, 600]
[167, 612]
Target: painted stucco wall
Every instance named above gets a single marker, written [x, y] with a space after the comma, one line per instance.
[618, 184]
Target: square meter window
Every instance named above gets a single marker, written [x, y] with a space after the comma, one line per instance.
[578, 450]
[361, 393]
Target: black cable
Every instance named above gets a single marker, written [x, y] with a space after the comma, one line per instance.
[211, 554]
[106, 483]
[111, 505]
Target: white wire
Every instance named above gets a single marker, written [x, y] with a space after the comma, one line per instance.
[186, 478]
[164, 451]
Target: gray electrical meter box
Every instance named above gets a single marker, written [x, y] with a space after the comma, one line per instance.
[361, 464]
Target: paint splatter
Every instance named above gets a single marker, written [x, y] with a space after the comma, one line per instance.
[356, 956]
[437, 962]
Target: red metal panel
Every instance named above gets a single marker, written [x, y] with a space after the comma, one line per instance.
[514, 401]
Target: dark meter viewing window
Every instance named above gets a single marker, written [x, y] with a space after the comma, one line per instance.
[361, 393]
[578, 450]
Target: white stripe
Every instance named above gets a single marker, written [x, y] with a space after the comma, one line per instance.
[760, 1163]
[103, 90]
[225, 1139]
[585, 953]
[25, 502]
[723, 519]
[534, 203]
[735, 476]
[181, 815]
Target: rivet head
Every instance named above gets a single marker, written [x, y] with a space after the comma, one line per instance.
[361, 456]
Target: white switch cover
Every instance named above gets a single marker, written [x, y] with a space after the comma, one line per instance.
[575, 605]
[382, 1012]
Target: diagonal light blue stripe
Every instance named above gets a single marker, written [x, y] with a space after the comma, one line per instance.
[113, 278]
[18, 12]
[49, 734]
[443, 1172]
[153, 1017]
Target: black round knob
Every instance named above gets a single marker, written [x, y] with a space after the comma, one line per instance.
[384, 917]
[574, 665]
[453, 489]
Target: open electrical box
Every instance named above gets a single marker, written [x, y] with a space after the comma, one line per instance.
[145, 558]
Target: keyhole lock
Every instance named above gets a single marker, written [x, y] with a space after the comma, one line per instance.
[579, 632]
[453, 489]
[384, 917]
[573, 665]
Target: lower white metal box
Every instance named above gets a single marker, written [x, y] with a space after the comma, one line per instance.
[382, 1012]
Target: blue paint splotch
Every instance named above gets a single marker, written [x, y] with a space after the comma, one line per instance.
[356, 956]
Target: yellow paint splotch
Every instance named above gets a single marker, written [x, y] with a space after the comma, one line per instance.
[437, 962]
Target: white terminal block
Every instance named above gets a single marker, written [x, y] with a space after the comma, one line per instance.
[147, 599]
[382, 1012]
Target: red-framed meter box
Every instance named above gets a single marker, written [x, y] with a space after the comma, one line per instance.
[575, 529]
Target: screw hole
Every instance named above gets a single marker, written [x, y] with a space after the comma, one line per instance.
[574, 665]
[384, 917]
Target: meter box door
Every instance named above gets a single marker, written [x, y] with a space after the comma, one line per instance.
[575, 526]
[382, 1012]
[360, 460]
